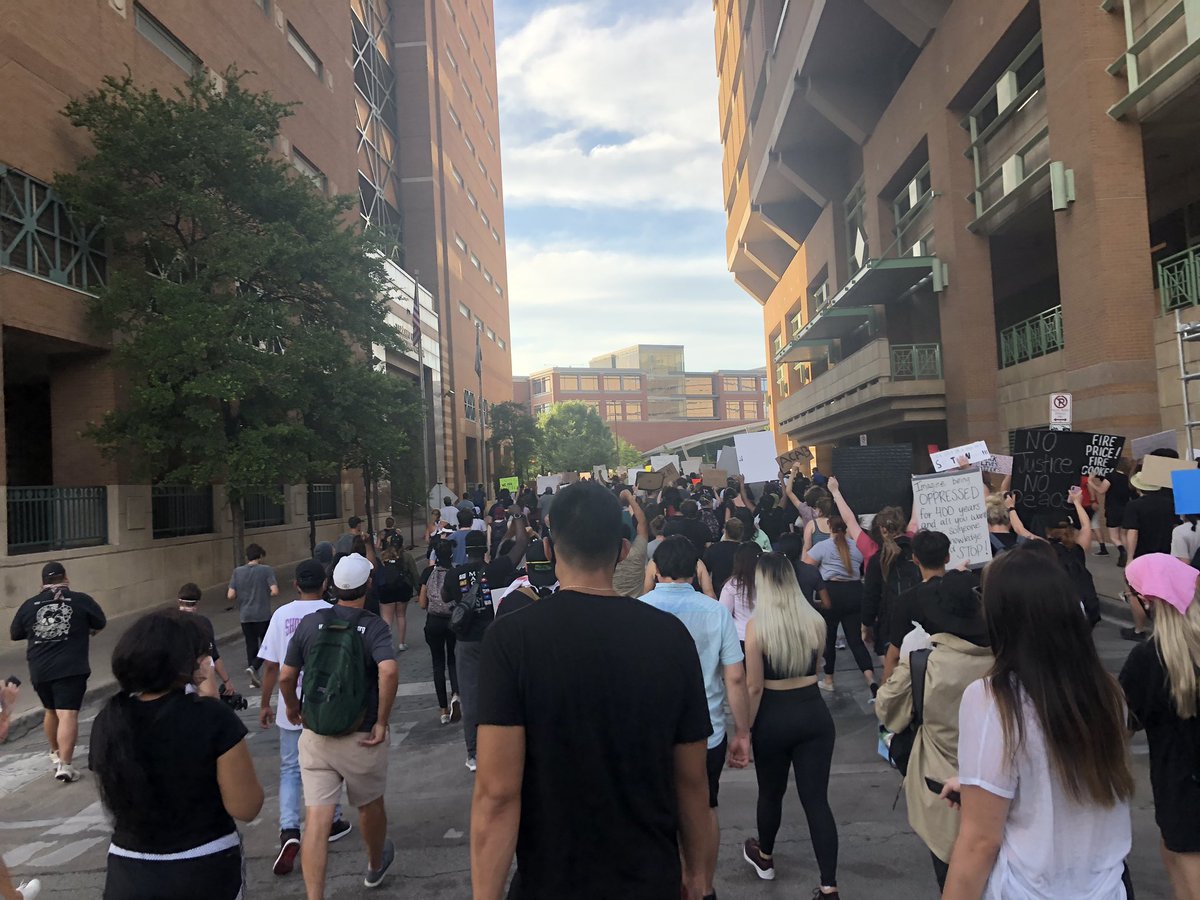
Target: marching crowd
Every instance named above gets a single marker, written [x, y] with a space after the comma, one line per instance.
[610, 652]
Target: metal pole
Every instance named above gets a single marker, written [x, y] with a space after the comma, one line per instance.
[426, 417]
[482, 430]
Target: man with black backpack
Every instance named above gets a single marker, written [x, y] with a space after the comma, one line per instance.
[350, 680]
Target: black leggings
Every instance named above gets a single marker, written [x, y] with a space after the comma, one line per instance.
[219, 876]
[795, 730]
[440, 639]
[254, 632]
[845, 600]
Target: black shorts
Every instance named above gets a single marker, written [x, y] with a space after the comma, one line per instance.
[62, 693]
[218, 876]
[716, 762]
[1114, 516]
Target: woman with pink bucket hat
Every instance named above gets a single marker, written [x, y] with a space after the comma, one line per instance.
[1161, 679]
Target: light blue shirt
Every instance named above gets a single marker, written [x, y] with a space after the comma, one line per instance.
[711, 627]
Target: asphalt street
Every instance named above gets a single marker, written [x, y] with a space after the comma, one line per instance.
[59, 833]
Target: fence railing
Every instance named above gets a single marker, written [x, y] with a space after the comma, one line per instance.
[43, 519]
[180, 510]
[1040, 335]
[1179, 280]
[322, 501]
[916, 362]
[262, 510]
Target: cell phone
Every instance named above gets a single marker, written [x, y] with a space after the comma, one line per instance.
[937, 787]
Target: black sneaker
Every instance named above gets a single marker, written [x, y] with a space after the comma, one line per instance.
[339, 830]
[1103, 551]
[1132, 634]
[819, 894]
[375, 876]
[764, 867]
[289, 848]
[1122, 557]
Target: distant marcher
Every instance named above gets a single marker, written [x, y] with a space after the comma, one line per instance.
[173, 770]
[1114, 488]
[58, 624]
[1161, 679]
[737, 594]
[189, 600]
[395, 582]
[438, 635]
[1185, 539]
[630, 572]
[251, 587]
[345, 544]
[718, 558]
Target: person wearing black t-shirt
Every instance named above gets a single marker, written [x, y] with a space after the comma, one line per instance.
[1148, 524]
[593, 727]
[173, 770]
[689, 525]
[58, 624]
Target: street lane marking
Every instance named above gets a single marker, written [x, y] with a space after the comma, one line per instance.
[65, 854]
[400, 731]
[18, 855]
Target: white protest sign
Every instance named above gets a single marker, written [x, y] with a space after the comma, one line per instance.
[947, 460]
[953, 503]
[727, 460]
[600, 473]
[1163, 440]
[548, 481]
[999, 463]
[1061, 411]
[662, 460]
[756, 456]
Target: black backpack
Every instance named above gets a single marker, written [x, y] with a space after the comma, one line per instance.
[1085, 587]
[391, 583]
[462, 615]
[901, 747]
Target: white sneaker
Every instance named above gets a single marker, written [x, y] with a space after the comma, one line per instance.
[55, 762]
[28, 890]
[253, 676]
[400, 648]
[455, 708]
[471, 763]
[66, 773]
[445, 718]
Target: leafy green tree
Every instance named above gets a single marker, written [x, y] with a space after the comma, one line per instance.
[629, 455]
[515, 431]
[235, 288]
[573, 438]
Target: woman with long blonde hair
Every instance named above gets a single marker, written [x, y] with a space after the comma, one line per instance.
[791, 726]
[1161, 679]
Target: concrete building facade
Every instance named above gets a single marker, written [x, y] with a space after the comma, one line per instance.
[648, 398]
[950, 209]
[349, 67]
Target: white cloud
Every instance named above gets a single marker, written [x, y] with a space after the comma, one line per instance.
[578, 302]
[644, 87]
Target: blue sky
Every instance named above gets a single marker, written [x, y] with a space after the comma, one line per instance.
[612, 180]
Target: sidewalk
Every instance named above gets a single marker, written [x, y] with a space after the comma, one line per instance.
[28, 712]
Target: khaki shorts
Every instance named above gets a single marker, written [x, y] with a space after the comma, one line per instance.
[326, 763]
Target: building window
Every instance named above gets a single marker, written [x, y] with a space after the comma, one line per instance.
[491, 335]
[464, 310]
[568, 382]
[454, 118]
[472, 199]
[593, 405]
[453, 61]
[460, 243]
[495, 190]
[503, 345]
[818, 297]
[475, 261]
[484, 216]
[733, 409]
[487, 276]
[375, 122]
[631, 382]
[458, 177]
[541, 385]
[857, 252]
[306, 168]
[700, 409]
[612, 383]
[469, 405]
[495, 235]
[633, 412]
[305, 52]
[499, 290]
[613, 411]
[264, 5]
[470, 144]
[170, 46]
[782, 381]
[698, 385]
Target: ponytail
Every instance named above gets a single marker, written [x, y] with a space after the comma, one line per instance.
[117, 758]
[837, 530]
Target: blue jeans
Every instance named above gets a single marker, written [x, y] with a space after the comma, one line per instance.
[291, 789]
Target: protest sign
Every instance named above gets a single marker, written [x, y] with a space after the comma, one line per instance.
[727, 460]
[871, 478]
[953, 503]
[715, 478]
[1047, 464]
[570, 478]
[669, 473]
[798, 455]
[1156, 470]
[512, 485]
[662, 460]
[548, 481]
[947, 460]
[999, 463]
[649, 481]
[1186, 483]
[600, 473]
[756, 456]
[1163, 440]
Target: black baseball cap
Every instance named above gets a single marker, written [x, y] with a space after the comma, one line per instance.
[52, 570]
[310, 574]
[476, 540]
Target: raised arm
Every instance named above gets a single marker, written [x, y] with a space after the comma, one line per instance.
[639, 514]
[745, 497]
[1014, 518]
[1084, 538]
[853, 529]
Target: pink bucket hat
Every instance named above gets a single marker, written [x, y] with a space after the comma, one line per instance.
[1164, 576]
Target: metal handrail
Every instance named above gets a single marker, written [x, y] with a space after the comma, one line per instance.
[47, 518]
[1036, 336]
[1179, 280]
[916, 362]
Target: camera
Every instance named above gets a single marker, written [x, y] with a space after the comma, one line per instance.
[233, 699]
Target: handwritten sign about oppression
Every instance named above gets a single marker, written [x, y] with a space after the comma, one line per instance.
[953, 503]
[1047, 464]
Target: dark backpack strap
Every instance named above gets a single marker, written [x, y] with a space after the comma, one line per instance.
[918, 663]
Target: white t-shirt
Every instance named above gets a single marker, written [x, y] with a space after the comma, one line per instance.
[275, 644]
[449, 515]
[1053, 847]
[1184, 541]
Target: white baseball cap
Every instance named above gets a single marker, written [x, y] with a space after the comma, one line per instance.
[351, 572]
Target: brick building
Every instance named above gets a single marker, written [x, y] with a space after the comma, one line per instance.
[375, 96]
[949, 210]
[648, 398]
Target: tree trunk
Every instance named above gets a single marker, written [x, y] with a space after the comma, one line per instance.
[238, 512]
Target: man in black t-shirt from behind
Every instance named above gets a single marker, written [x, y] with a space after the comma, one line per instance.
[1148, 523]
[593, 727]
[58, 624]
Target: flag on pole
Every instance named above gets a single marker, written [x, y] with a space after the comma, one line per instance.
[478, 352]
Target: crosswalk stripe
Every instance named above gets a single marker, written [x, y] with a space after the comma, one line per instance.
[67, 852]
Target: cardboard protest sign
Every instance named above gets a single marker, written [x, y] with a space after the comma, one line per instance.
[756, 456]
[669, 473]
[871, 478]
[600, 473]
[1163, 440]
[570, 478]
[1157, 470]
[947, 460]
[1186, 483]
[715, 478]
[649, 481]
[799, 455]
[1047, 464]
[727, 460]
[999, 464]
[662, 460]
[953, 503]
[548, 481]
[512, 485]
